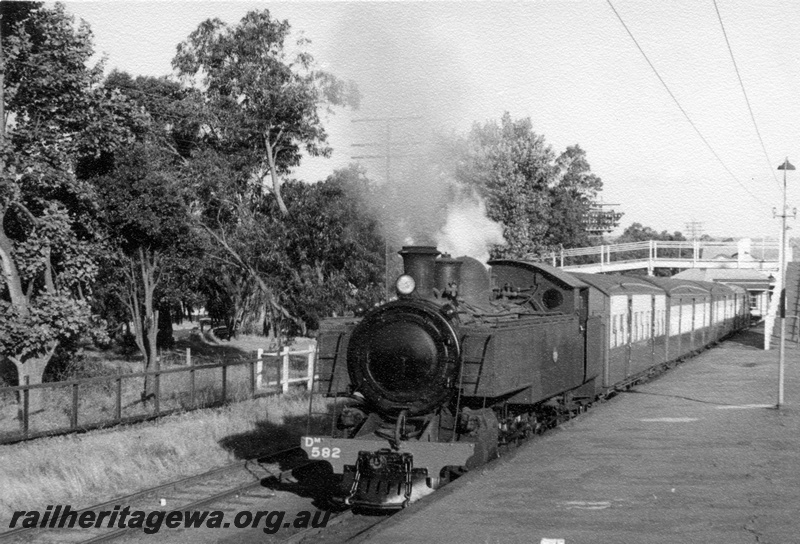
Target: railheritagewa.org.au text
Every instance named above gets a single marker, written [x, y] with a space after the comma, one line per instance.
[151, 522]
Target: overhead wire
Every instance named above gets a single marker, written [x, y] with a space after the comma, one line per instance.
[683, 111]
[747, 100]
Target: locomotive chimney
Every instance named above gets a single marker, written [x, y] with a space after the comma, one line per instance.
[448, 275]
[419, 263]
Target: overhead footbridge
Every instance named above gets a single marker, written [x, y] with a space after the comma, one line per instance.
[651, 254]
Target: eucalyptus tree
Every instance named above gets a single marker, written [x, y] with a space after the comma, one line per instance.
[263, 100]
[540, 198]
[333, 250]
[263, 96]
[56, 117]
[145, 195]
[145, 210]
[571, 198]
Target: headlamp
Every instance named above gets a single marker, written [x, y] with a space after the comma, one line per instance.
[405, 284]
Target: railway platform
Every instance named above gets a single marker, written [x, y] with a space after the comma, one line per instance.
[698, 455]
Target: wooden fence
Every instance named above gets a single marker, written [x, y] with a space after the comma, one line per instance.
[105, 401]
[286, 378]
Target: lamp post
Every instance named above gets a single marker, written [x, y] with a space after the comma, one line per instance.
[782, 306]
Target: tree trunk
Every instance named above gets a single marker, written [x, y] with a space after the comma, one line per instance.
[271, 152]
[33, 368]
[13, 280]
[142, 278]
[151, 346]
[149, 266]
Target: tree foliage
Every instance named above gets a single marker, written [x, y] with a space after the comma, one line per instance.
[144, 202]
[262, 97]
[637, 232]
[335, 238]
[327, 259]
[540, 198]
[263, 101]
[56, 115]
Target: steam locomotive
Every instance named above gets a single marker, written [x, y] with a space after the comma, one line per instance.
[467, 359]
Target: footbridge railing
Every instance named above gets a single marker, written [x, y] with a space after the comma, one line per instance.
[652, 254]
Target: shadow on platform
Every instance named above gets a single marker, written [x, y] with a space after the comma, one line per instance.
[754, 338]
[751, 338]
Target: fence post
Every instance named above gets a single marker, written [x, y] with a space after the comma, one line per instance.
[259, 368]
[224, 381]
[252, 367]
[191, 383]
[25, 406]
[73, 421]
[285, 370]
[311, 358]
[158, 388]
[118, 408]
[188, 356]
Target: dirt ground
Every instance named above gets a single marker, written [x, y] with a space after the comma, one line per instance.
[699, 455]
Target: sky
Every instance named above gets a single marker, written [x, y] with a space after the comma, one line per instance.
[569, 66]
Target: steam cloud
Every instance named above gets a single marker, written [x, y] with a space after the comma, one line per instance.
[468, 231]
[413, 90]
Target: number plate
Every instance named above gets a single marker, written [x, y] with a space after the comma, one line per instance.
[432, 456]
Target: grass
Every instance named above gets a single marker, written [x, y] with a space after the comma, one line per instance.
[85, 469]
[89, 468]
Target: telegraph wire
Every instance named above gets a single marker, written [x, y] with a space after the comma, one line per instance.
[686, 115]
[749, 108]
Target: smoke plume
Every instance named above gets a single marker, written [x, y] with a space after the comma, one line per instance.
[413, 91]
[468, 231]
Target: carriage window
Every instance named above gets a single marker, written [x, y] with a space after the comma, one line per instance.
[639, 323]
[613, 331]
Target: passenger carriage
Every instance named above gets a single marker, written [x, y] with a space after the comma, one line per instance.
[688, 312]
[633, 314]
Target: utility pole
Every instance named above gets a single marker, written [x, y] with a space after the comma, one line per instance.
[599, 221]
[387, 155]
[694, 229]
[782, 306]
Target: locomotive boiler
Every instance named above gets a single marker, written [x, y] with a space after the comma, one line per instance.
[467, 359]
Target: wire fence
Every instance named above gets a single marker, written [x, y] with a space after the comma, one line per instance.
[35, 410]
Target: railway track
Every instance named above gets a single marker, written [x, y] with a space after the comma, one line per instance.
[190, 493]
